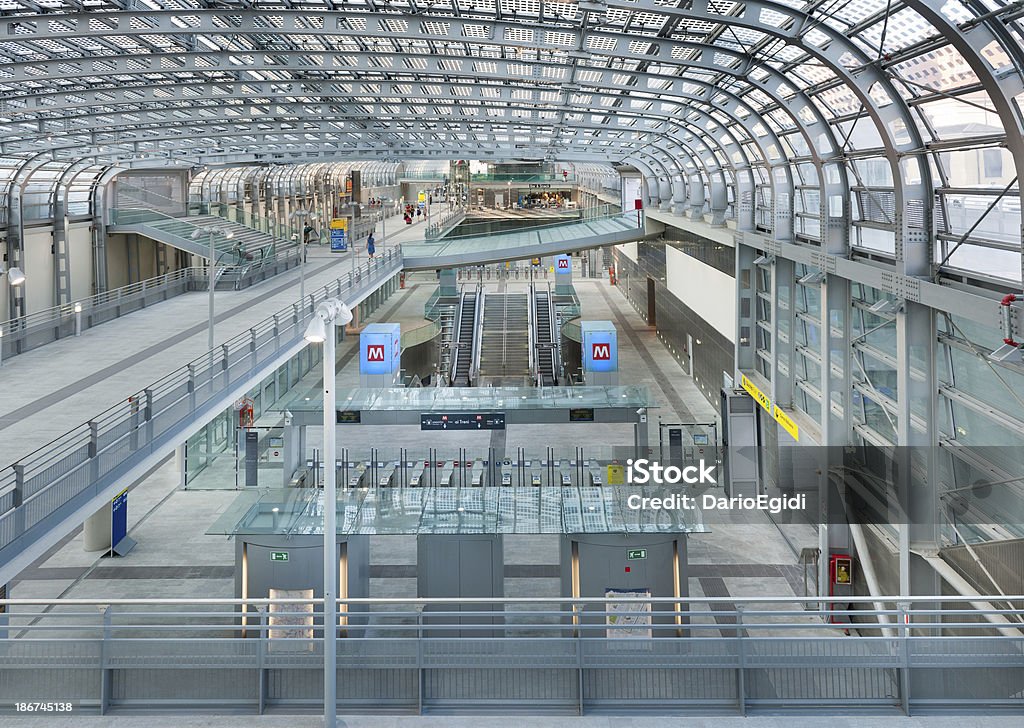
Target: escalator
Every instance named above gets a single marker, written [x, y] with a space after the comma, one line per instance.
[544, 338]
[462, 370]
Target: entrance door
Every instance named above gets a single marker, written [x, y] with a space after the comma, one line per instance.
[651, 309]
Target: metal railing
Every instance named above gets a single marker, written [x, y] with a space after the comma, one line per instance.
[518, 655]
[51, 484]
[443, 222]
[25, 333]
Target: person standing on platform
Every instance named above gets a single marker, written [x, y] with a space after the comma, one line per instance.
[370, 245]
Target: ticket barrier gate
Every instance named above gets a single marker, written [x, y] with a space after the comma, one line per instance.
[596, 476]
[477, 473]
[444, 480]
[356, 475]
[386, 475]
[415, 475]
[506, 475]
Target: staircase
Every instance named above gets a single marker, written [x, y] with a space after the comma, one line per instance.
[234, 253]
[543, 337]
[465, 340]
[505, 351]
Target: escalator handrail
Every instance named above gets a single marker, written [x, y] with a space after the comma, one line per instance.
[478, 313]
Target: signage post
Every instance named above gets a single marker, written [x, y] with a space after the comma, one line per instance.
[339, 235]
[120, 542]
[380, 355]
[600, 353]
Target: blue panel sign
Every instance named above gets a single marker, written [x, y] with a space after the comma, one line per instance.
[380, 349]
[563, 265]
[339, 241]
[119, 517]
[600, 346]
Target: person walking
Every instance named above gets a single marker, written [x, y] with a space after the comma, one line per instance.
[371, 248]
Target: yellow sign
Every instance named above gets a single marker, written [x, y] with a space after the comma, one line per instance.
[760, 397]
[616, 475]
[422, 197]
[786, 421]
[339, 223]
[774, 410]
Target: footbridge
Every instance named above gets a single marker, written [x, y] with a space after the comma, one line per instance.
[564, 237]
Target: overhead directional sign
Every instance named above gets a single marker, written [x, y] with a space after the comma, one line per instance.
[463, 421]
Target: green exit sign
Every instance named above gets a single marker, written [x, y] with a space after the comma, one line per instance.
[634, 554]
[278, 555]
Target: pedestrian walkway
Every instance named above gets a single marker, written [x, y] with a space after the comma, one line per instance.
[54, 388]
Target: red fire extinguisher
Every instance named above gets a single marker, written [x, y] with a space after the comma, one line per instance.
[401, 279]
[611, 274]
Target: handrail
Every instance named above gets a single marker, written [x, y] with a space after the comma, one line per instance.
[557, 367]
[504, 332]
[606, 214]
[457, 338]
[531, 337]
[478, 317]
[415, 601]
[437, 228]
[49, 316]
[70, 467]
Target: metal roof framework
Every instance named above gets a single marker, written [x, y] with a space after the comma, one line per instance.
[835, 123]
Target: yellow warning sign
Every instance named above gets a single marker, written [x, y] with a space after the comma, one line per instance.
[786, 421]
[760, 397]
[616, 475]
[339, 223]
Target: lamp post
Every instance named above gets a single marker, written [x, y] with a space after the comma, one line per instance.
[210, 232]
[302, 215]
[321, 329]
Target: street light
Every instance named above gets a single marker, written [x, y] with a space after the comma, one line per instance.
[15, 276]
[320, 330]
[306, 215]
[196, 235]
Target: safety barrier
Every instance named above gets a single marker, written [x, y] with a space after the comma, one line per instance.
[24, 333]
[515, 655]
[49, 487]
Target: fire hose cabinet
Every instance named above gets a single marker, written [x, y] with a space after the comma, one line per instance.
[840, 584]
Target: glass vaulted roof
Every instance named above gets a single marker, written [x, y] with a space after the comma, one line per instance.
[891, 115]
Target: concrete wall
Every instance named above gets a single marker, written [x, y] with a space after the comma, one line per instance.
[694, 301]
[708, 292]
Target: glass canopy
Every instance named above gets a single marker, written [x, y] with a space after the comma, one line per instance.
[492, 510]
[455, 399]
